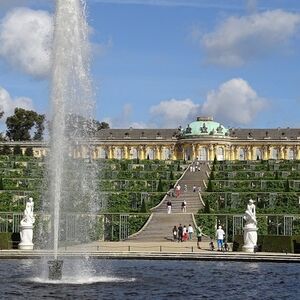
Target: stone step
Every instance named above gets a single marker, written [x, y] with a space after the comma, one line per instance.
[160, 226]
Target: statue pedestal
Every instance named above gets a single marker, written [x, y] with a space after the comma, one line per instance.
[26, 235]
[250, 239]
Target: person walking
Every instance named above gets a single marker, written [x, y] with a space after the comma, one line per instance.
[190, 231]
[220, 237]
[169, 206]
[183, 206]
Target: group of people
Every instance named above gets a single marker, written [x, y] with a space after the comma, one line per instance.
[169, 206]
[195, 166]
[182, 233]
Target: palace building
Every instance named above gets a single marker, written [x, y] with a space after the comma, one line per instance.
[204, 139]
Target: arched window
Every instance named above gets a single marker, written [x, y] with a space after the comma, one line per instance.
[220, 153]
[133, 153]
[166, 153]
[274, 153]
[258, 154]
[188, 153]
[103, 153]
[291, 154]
[118, 153]
[150, 153]
[203, 154]
[242, 155]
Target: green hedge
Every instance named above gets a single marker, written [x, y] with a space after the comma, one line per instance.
[271, 243]
[9, 240]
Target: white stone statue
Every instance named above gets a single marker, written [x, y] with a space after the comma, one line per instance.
[26, 226]
[250, 228]
[28, 218]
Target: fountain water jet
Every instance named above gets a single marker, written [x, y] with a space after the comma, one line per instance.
[72, 107]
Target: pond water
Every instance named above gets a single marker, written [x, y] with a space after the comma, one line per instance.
[152, 279]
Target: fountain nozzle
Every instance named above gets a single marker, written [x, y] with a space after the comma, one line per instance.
[55, 269]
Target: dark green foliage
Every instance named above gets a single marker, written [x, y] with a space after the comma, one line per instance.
[287, 186]
[215, 160]
[17, 150]
[20, 124]
[160, 186]
[6, 150]
[206, 208]
[212, 175]
[178, 167]
[209, 186]
[29, 151]
[143, 206]
[79, 126]
[171, 175]
[276, 175]
[270, 243]
[207, 223]
[1, 183]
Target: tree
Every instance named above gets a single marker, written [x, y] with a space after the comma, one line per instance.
[209, 186]
[171, 175]
[79, 126]
[143, 208]
[5, 150]
[287, 186]
[19, 125]
[29, 151]
[206, 208]
[160, 186]
[17, 150]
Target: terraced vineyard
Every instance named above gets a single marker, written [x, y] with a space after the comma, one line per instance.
[126, 191]
[273, 185]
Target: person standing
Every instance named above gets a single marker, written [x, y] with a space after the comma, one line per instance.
[190, 231]
[179, 233]
[220, 237]
[169, 206]
[199, 236]
[175, 233]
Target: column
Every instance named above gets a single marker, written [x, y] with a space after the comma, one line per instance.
[110, 152]
[158, 152]
[232, 152]
[142, 152]
[125, 149]
[193, 152]
[248, 153]
[298, 152]
[265, 154]
[253, 150]
[281, 152]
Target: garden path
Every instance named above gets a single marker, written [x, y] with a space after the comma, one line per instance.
[159, 227]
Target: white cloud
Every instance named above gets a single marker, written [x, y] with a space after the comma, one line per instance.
[239, 39]
[123, 120]
[234, 102]
[172, 113]
[8, 104]
[25, 38]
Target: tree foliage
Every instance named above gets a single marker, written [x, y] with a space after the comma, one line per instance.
[78, 126]
[20, 125]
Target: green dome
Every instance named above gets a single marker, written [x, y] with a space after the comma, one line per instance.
[205, 127]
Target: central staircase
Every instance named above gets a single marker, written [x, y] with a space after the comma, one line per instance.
[160, 224]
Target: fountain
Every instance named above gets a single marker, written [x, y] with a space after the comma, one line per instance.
[72, 106]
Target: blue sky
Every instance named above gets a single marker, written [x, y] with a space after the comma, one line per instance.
[161, 63]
